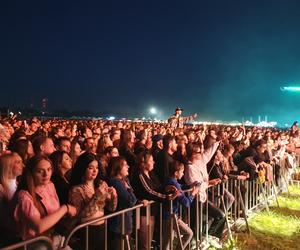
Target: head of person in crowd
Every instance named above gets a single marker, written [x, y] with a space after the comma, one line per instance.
[86, 132]
[43, 145]
[63, 144]
[142, 136]
[111, 151]
[46, 125]
[34, 126]
[176, 170]
[62, 162]
[118, 167]
[11, 166]
[178, 111]
[89, 145]
[145, 162]
[75, 150]
[85, 169]
[57, 132]
[210, 139]
[228, 150]
[260, 146]
[190, 136]
[193, 151]
[24, 148]
[169, 144]
[104, 143]
[116, 136]
[38, 172]
[158, 141]
[127, 138]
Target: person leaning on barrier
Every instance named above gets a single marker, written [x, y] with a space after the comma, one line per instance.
[175, 174]
[196, 172]
[37, 209]
[177, 121]
[216, 171]
[90, 196]
[126, 199]
[147, 186]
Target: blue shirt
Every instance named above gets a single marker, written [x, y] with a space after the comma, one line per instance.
[183, 199]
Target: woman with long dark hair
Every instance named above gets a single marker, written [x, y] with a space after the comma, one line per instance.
[90, 196]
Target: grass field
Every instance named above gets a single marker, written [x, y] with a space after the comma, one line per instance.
[277, 229]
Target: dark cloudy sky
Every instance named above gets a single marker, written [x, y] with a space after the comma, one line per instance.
[224, 59]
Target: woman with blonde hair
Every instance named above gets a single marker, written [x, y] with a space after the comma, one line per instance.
[11, 166]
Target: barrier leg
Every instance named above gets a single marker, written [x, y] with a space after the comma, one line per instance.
[243, 207]
[175, 221]
[226, 217]
[275, 193]
[264, 196]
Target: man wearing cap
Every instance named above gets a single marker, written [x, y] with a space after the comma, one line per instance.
[177, 121]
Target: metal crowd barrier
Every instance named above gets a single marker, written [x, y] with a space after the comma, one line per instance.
[248, 195]
[105, 219]
[26, 244]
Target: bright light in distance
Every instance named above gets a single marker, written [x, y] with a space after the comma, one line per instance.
[111, 118]
[291, 88]
[153, 111]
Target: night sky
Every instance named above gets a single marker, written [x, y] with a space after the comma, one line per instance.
[224, 59]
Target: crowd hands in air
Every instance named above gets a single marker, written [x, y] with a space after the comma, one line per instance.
[53, 171]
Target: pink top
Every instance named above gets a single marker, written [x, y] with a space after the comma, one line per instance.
[26, 211]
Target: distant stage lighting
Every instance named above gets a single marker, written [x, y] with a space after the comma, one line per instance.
[153, 110]
[290, 89]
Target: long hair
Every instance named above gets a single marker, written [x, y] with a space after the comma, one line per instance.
[57, 158]
[21, 147]
[142, 159]
[80, 167]
[27, 180]
[6, 170]
[115, 165]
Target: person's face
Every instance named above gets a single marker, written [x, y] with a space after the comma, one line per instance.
[179, 173]
[66, 162]
[17, 167]
[48, 147]
[213, 134]
[88, 133]
[191, 137]
[173, 145]
[230, 152]
[30, 151]
[262, 148]
[60, 132]
[124, 169]
[149, 163]
[89, 144]
[92, 171]
[42, 173]
[114, 152]
[77, 149]
[107, 141]
[160, 144]
[219, 156]
[65, 146]
[116, 135]
[148, 143]
[33, 127]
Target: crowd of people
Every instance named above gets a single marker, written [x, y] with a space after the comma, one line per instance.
[55, 174]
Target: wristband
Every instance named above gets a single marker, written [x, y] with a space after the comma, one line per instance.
[67, 208]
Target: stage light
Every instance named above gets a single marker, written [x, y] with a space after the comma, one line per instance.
[153, 110]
